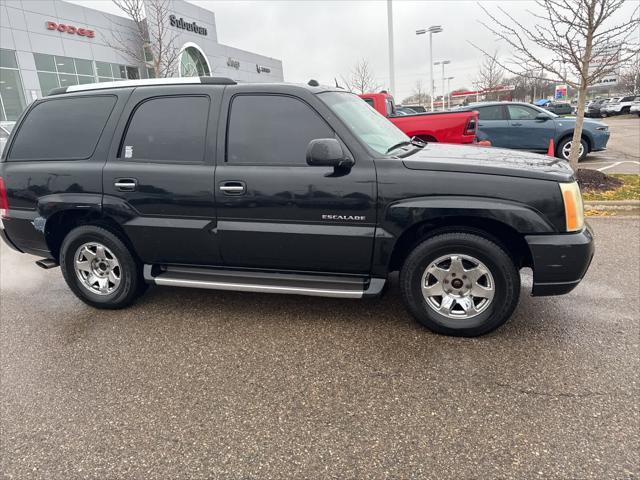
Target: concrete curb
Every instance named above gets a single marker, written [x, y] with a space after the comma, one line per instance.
[612, 203]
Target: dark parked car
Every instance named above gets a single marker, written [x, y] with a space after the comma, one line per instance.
[527, 127]
[593, 108]
[559, 108]
[285, 189]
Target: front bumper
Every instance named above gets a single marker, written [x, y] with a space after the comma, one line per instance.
[560, 261]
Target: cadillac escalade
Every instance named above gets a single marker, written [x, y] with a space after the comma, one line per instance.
[296, 189]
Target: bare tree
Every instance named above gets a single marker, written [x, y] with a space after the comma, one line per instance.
[490, 75]
[361, 79]
[629, 79]
[420, 94]
[576, 41]
[152, 42]
[418, 97]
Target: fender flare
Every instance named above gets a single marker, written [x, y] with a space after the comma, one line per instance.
[405, 215]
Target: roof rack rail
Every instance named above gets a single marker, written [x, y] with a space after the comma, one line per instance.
[144, 82]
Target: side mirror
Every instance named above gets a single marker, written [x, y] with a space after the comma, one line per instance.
[327, 152]
[542, 117]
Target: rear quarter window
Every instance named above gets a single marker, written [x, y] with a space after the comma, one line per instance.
[62, 129]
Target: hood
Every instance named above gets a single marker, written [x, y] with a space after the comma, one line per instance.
[490, 161]
[588, 122]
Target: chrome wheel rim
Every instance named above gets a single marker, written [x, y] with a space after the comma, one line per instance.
[566, 150]
[97, 268]
[458, 286]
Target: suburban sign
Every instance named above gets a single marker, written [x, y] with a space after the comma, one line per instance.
[233, 63]
[261, 69]
[61, 27]
[189, 26]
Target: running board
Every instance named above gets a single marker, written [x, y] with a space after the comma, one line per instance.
[265, 282]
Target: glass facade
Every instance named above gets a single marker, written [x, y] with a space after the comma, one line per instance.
[193, 63]
[55, 71]
[12, 100]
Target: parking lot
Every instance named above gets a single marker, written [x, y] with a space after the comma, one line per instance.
[205, 384]
[623, 150]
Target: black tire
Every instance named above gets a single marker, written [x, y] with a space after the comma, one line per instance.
[494, 257]
[561, 145]
[131, 282]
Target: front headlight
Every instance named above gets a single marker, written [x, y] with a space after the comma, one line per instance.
[573, 208]
[602, 128]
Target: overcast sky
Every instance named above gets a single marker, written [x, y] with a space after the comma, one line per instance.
[324, 39]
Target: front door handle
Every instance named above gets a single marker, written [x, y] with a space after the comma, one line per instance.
[516, 124]
[126, 184]
[233, 188]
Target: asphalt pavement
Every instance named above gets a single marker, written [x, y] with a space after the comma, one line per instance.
[191, 384]
[623, 149]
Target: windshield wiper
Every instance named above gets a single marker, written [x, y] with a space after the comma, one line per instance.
[397, 145]
[416, 142]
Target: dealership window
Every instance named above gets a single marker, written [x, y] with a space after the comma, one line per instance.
[193, 63]
[112, 72]
[11, 92]
[272, 129]
[58, 71]
[168, 129]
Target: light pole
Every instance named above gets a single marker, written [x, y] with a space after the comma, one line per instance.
[431, 30]
[443, 63]
[392, 69]
[449, 92]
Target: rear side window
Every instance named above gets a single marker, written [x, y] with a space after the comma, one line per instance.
[272, 129]
[62, 129]
[494, 112]
[168, 129]
[369, 101]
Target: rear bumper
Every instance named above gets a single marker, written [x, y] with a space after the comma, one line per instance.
[560, 261]
[6, 239]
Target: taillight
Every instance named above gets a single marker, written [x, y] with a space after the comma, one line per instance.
[4, 203]
[471, 127]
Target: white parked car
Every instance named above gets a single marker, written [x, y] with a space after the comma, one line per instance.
[635, 108]
[621, 106]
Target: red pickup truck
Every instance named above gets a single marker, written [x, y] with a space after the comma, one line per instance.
[446, 127]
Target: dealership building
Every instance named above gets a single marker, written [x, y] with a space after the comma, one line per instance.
[46, 44]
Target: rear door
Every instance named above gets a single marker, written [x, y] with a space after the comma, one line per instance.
[159, 177]
[527, 131]
[493, 125]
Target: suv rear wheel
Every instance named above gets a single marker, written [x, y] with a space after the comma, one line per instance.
[99, 268]
[460, 284]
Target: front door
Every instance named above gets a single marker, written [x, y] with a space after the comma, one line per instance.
[160, 174]
[529, 132]
[277, 212]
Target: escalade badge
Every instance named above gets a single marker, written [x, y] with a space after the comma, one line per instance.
[354, 218]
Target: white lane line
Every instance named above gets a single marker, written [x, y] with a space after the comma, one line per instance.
[608, 167]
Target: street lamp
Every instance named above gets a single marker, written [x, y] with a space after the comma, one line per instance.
[443, 63]
[449, 92]
[431, 30]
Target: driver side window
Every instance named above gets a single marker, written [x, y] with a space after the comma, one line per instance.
[520, 112]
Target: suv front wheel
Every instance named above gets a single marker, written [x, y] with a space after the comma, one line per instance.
[99, 268]
[460, 284]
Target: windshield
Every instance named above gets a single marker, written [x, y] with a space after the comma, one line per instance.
[363, 121]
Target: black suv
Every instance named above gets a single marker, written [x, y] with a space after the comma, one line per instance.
[206, 183]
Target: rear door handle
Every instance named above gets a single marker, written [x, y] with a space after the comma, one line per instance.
[233, 188]
[516, 124]
[126, 184]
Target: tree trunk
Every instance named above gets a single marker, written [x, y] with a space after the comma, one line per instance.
[577, 132]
